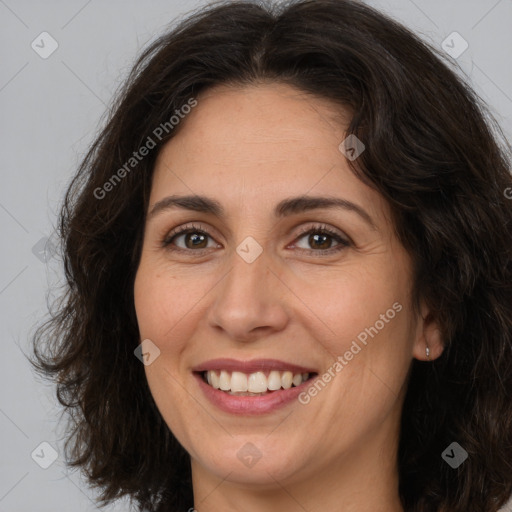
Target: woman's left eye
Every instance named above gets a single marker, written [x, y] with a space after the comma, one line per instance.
[317, 235]
[320, 235]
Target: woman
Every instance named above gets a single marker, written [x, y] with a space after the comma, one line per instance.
[213, 356]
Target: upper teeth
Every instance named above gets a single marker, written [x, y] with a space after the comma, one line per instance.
[256, 382]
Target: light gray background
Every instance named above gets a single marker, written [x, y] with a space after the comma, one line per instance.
[51, 110]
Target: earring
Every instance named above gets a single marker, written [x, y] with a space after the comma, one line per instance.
[427, 351]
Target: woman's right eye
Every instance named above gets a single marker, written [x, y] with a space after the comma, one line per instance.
[197, 240]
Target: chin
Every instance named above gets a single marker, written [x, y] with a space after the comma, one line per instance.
[250, 462]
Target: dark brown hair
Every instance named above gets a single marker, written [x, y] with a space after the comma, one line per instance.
[433, 151]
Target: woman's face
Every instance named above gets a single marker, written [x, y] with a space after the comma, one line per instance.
[247, 284]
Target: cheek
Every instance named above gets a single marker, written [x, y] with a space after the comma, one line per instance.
[356, 301]
[156, 306]
[167, 313]
[370, 323]
[158, 313]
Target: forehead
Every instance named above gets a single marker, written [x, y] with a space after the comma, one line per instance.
[258, 144]
[263, 123]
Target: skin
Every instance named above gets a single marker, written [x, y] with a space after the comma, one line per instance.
[250, 148]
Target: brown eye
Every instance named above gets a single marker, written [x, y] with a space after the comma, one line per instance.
[320, 237]
[194, 238]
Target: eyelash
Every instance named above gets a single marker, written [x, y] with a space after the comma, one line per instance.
[319, 229]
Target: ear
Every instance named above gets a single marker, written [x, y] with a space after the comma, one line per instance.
[428, 335]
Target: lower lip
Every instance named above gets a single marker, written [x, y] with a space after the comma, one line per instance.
[250, 405]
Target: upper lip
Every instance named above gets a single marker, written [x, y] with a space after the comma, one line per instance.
[251, 366]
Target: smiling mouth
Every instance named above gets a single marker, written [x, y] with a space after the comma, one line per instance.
[254, 384]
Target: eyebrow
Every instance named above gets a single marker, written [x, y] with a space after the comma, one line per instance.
[284, 208]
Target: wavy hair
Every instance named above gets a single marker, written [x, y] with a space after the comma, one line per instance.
[433, 150]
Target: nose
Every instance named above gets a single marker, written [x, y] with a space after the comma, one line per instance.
[249, 301]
